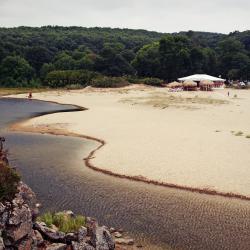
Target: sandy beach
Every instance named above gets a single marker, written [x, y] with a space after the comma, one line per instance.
[191, 139]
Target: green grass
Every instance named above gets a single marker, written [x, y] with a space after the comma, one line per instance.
[65, 223]
[239, 133]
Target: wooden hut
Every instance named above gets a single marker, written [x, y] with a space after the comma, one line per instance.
[206, 85]
[175, 85]
[190, 86]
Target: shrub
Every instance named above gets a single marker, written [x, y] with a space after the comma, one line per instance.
[239, 133]
[9, 179]
[109, 82]
[65, 223]
[62, 78]
[153, 81]
[74, 86]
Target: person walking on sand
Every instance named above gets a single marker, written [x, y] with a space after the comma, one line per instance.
[30, 95]
[228, 93]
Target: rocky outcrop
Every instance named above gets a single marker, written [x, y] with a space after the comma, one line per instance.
[19, 229]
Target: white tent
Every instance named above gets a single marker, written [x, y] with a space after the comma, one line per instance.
[201, 77]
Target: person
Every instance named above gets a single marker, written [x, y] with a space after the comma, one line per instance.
[228, 93]
[30, 95]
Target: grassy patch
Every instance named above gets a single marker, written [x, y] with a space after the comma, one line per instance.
[239, 133]
[15, 91]
[164, 100]
[65, 223]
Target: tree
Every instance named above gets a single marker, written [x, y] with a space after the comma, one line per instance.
[147, 61]
[37, 56]
[15, 71]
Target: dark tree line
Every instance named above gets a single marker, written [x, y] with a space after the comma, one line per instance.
[57, 56]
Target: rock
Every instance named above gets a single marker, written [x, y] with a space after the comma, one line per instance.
[69, 213]
[82, 234]
[2, 247]
[19, 215]
[38, 238]
[69, 237]
[27, 195]
[81, 246]
[3, 219]
[2, 208]
[117, 235]
[124, 241]
[25, 244]
[50, 234]
[102, 239]
[53, 227]
[56, 246]
[112, 230]
[17, 233]
[91, 225]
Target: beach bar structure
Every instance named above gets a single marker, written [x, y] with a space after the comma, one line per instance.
[175, 85]
[206, 85]
[190, 85]
[199, 78]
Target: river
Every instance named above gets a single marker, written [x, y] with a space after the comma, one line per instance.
[159, 216]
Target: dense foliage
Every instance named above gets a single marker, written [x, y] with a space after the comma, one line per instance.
[60, 56]
[8, 179]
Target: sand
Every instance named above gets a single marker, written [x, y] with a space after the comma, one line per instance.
[187, 139]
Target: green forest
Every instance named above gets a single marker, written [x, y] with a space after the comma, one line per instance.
[57, 56]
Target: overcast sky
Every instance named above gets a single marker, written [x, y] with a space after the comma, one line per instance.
[159, 15]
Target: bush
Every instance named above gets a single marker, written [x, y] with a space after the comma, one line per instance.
[9, 179]
[109, 82]
[62, 78]
[74, 86]
[153, 81]
[65, 223]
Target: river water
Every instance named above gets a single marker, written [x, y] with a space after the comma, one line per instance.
[165, 217]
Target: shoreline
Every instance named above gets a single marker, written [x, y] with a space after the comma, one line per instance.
[18, 127]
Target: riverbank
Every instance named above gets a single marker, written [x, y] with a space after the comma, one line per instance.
[187, 138]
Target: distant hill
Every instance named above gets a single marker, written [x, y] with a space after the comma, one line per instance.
[28, 54]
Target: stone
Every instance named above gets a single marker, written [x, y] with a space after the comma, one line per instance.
[2, 208]
[38, 237]
[117, 235]
[82, 234]
[50, 234]
[81, 246]
[69, 213]
[2, 247]
[112, 230]
[25, 244]
[19, 215]
[69, 237]
[124, 241]
[56, 246]
[3, 219]
[102, 239]
[16, 233]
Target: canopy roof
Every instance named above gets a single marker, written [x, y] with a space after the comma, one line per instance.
[201, 77]
[189, 83]
[174, 84]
